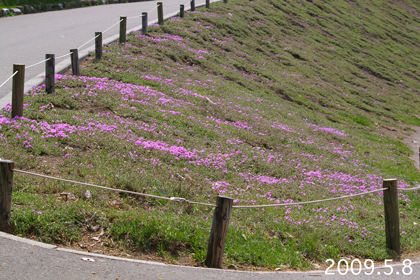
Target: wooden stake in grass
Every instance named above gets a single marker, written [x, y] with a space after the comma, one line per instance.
[123, 29]
[160, 13]
[98, 45]
[192, 5]
[218, 232]
[17, 90]
[208, 4]
[74, 56]
[392, 220]
[144, 23]
[181, 11]
[50, 73]
[224, 1]
[6, 188]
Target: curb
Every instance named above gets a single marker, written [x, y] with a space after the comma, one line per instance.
[26, 241]
[316, 273]
[82, 253]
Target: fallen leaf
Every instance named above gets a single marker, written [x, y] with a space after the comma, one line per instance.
[244, 236]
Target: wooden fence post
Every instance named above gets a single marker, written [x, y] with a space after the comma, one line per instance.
[50, 73]
[182, 13]
[218, 232]
[144, 23]
[392, 222]
[192, 5]
[208, 4]
[123, 29]
[98, 45]
[74, 56]
[17, 90]
[160, 13]
[419, 157]
[6, 188]
[224, 1]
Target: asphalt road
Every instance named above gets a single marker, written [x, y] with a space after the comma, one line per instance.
[26, 259]
[26, 39]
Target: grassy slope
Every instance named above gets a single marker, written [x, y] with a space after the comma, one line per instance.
[265, 101]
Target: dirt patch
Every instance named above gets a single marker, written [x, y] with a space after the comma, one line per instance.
[51, 164]
[413, 141]
[409, 136]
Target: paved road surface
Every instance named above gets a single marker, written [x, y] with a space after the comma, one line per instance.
[26, 39]
[26, 259]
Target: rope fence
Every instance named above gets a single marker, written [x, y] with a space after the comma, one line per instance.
[183, 200]
[144, 29]
[223, 208]
[45, 60]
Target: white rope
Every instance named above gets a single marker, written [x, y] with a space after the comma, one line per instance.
[307, 202]
[64, 55]
[135, 16]
[153, 8]
[37, 63]
[176, 199]
[9, 78]
[411, 189]
[89, 41]
[112, 26]
[183, 200]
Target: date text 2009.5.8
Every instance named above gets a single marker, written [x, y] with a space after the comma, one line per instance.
[368, 267]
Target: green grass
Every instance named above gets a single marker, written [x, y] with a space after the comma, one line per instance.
[267, 101]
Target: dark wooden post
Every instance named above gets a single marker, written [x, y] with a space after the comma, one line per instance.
[144, 23]
[208, 4]
[160, 13]
[224, 1]
[192, 5]
[181, 11]
[218, 232]
[419, 157]
[98, 45]
[50, 73]
[74, 56]
[17, 90]
[392, 220]
[6, 188]
[123, 29]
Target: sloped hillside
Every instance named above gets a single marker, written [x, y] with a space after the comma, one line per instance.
[264, 101]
